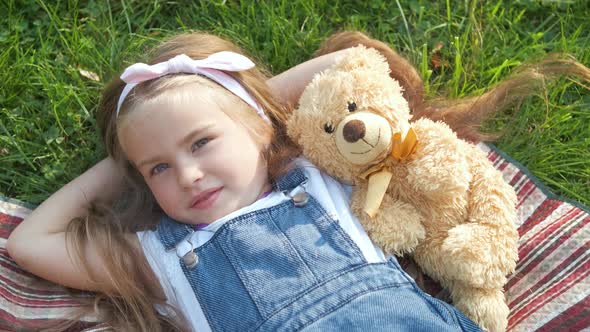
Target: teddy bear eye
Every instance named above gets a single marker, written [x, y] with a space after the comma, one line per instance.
[329, 128]
[351, 106]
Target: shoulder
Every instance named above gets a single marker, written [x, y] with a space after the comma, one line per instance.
[317, 177]
[150, 245]
[332, 195]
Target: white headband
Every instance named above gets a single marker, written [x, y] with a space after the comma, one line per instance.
[211, 67]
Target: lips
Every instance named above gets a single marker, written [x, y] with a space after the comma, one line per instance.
[206, 198]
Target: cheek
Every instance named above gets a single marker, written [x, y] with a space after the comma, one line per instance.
[244, 164]
[244, 150]
[162, 193]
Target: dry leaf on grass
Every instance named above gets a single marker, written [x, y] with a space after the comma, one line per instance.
[88, 74]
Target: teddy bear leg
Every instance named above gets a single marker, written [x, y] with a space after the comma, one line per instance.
[478, 255]
[397, 227]
[485, 306]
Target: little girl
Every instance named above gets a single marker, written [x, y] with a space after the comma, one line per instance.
[214, 224]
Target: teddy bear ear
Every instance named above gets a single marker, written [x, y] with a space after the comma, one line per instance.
[361, 57]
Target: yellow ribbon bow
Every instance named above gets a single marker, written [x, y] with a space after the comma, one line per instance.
[379, 177]
[402, 149]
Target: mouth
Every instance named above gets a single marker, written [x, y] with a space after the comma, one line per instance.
[372, 146]
[206, 198]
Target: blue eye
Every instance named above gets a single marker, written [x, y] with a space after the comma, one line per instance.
[159, 168]
[200, 143]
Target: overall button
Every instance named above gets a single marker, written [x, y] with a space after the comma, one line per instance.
[185, 251]
[190, 259]
[300, 199]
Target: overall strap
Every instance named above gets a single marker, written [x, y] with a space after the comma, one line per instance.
[290, 181]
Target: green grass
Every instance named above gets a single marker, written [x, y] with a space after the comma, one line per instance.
[47, 129]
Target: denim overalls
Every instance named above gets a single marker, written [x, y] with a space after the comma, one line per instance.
[291, 267]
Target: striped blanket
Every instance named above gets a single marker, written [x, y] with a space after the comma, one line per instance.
[550, 290]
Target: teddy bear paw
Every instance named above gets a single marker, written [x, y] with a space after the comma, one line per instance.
[397, 230]
[397, 243]
[486, 307]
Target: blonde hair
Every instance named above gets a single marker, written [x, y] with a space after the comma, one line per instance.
[128, 304]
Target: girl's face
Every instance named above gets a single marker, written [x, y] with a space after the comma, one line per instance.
[199, 164]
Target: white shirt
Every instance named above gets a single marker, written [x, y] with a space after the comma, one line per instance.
[332, 195]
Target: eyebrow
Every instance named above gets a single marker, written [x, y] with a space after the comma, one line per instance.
[182, 142]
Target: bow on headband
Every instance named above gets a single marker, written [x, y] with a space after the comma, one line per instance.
[211, 67]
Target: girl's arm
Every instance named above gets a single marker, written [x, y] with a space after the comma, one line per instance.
[288, 85]
[38, 244]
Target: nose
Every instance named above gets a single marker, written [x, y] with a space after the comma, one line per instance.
[353, 131]
[188, 173]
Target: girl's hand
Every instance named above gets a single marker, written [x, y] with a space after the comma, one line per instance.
[288, 85]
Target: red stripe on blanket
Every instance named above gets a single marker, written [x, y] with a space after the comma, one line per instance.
[553, 290]
[8, 219]
[492, 157]
[7, 224]
[544, 210]
[528, 187]
[9, 322]
[543, 284]
[37, 303]
[523, 268]
[547, 234]
[540, 253]
[537, 306]
[518, 177]
[503, 165]
[572, 319]
[497, 160]
[36, 293]
[7, 263]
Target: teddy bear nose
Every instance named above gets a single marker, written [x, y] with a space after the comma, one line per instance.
[353, 131]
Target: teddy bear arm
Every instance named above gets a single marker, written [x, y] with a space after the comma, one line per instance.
[396, 228]
[439, 167]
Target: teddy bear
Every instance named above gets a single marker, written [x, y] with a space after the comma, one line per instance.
[416, 187]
